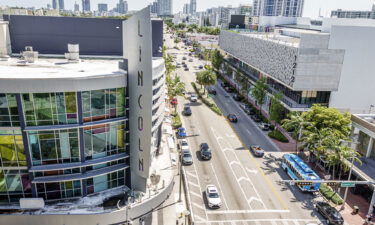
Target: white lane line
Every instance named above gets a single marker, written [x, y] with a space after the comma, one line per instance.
[242, 178]
[242, 167]
[234, 174]
[198, 206]
[255, 171]
[260, 220]
[191, 174]
[218, 183]
[234, 162]
[197, 195]
[199, 218]
[248, 211]
[193, 184]
[248, 132]
[252, 198]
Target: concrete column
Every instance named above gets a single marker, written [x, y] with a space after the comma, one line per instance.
[369, 147]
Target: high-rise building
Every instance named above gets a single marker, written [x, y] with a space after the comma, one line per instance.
[102, 7]
[61, 5]
[244, 10]
[154, 7]
[122, 7]
[86, 6]
[55, 4]
[76, 7]
[193, 7]
[186, 9]
[165, 7]
[354, 14]
[287, 8]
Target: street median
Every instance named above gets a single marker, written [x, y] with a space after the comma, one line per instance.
[206, 100]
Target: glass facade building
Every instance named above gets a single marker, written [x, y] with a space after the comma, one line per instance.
[60, 145]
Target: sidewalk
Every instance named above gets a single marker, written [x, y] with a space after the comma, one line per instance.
[352, 200]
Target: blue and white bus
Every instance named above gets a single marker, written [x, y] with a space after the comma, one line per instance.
[298, 170]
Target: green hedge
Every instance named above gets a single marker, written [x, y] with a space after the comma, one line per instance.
[205, 100]
[176, 121]
[277, 135]
[330, 195]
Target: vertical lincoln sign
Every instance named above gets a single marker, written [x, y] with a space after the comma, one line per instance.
[137, 44]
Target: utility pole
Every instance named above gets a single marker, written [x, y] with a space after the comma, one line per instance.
[180, 160]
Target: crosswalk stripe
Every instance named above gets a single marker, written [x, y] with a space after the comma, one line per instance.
[199, 219]
[193, 184]
[198, 195]
[296, 222]
[257, 223]
[198, 205]
[273, 223]
[285, 223]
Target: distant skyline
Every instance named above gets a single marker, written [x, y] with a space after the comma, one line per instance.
[311, 8]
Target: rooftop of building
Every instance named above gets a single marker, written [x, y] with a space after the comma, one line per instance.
[365, 120]
[53, 67]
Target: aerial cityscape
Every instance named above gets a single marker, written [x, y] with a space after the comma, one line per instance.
[187, 112]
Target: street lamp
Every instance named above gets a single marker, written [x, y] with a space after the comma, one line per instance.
[350, 174]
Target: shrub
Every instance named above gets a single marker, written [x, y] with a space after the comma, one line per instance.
[272, 127]
[205, 100]
[330, 195]
[277, 135]
[176, 121]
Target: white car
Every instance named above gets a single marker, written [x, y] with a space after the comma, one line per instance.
[213, 197]
[193, 98]
[183, 145]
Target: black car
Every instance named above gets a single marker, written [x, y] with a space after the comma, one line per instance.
[232, 118]
[200, 67]
[237, 97]
[229, 89]
[187, 111]
[205, 151]
[246, 109]
[186, 69]
[256, 118]
[211, 90]
[224, 84]
[265, 126]
[329, 213]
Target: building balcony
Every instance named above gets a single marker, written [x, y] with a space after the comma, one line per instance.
[236, 66]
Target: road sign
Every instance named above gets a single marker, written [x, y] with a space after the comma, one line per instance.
[347, 184]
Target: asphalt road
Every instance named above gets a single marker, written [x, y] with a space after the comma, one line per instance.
[250, 188]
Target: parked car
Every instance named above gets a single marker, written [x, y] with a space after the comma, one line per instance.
[186, 69]
[211, 90]
[229, 89]
[329, 213]
[183, 63]
[190, 60]
[237, 97]
[224, 84]
[232, 118]
[193, 98]
[257, 151]
[183, 144]
[174, 101]
[184, 58]
[213, 197]
[187, 111]
[186, 157]
[264, 126]
[178, 66]
[205, 151]
[181, 132]
[200, 67]
[246, 108]
[256, 118]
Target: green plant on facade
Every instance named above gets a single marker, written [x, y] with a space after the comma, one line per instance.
[276, 108]
[259, 92]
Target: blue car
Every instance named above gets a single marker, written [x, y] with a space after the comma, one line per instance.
[181, 132]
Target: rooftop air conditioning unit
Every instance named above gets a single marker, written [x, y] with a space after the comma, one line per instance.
[29, 55]
[73, 53]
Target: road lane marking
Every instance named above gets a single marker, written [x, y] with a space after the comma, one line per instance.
[248, 132]
[252, 198]
[242, 178]
[243, 169]
[218, 183]
[251, 171]
[234, 174]
[296, 222]
[198, 195]
[191, 174]
[285, 223]
[234, 162]
[193, 184]
[199, 218]
[262, 220]
[262, 173]
[273, 222]
[198, 205]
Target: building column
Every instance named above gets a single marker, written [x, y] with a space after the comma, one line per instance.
[369, 147]
[81, 140]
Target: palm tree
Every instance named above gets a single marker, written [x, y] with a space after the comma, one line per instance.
[206, 78]
[259, 92]
[295, 123]
[175, 88]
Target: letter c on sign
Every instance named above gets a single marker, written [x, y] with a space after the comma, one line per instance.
[139, 101]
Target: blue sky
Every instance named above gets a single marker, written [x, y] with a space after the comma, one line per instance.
[311, 8]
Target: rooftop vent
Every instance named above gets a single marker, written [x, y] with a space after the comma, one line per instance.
[73, 53]
[29, 55]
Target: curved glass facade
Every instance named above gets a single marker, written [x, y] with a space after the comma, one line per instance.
[74, 143]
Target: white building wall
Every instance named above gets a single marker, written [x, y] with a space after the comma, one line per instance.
[356, 90]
